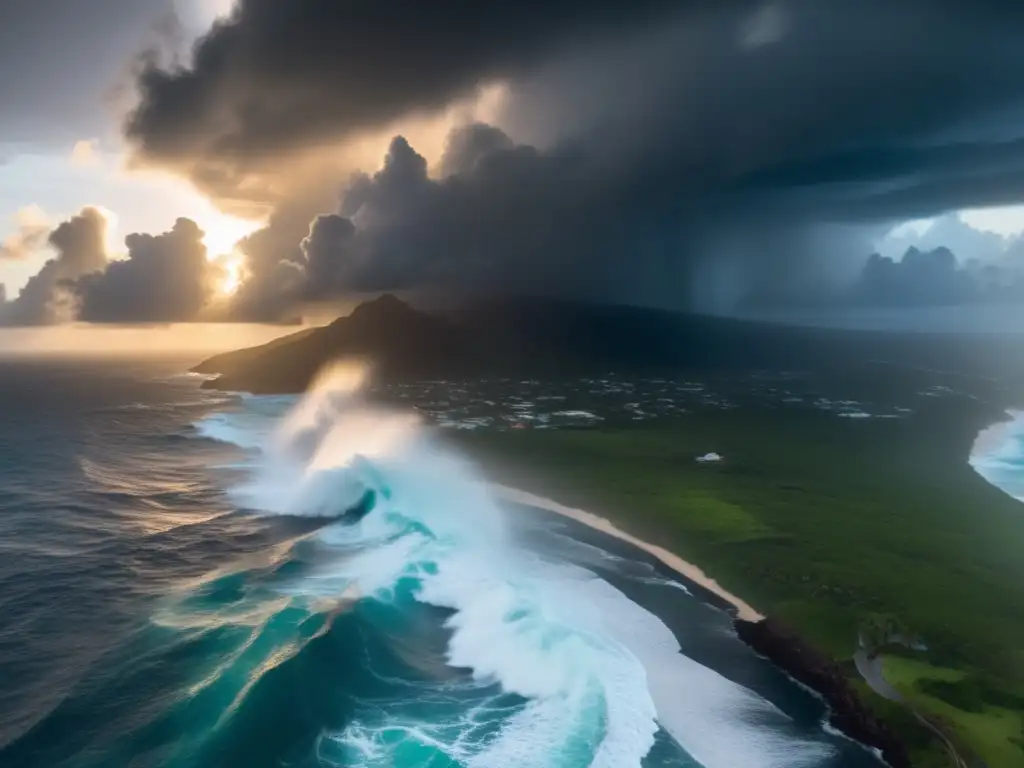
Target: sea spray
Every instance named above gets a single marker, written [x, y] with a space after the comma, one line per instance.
[561, 670]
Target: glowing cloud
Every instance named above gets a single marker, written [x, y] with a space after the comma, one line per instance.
[86, 153]
[223, 232]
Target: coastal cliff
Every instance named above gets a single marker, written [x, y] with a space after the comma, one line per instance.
[847, 712]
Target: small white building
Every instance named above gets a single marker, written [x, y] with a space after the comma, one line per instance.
[709, 457]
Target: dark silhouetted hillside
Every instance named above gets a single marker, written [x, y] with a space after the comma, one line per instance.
[533, 337]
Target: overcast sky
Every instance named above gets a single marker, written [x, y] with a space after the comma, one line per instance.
[679, 153]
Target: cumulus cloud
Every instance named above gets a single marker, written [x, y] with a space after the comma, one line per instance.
[165, 278]
[950, 231]
[273, 270]
[917, 278]
[325, 248]
[86, 153]
[49, 296]
[920, 278]
[507, 218]
[31, 230]
[936, 278]
[162, 278]
[81, 243]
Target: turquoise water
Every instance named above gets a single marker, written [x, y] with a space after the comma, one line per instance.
[185, 584]
[998, 455]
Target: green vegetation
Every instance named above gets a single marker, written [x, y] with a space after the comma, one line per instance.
[960, 700]
[828, 523]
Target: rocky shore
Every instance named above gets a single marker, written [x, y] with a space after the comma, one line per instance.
[848, 713]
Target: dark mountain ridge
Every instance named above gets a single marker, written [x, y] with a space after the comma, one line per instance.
[541, 337]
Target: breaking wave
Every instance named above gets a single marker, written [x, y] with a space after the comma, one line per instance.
[484, 652]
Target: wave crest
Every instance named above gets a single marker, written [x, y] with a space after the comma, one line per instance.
[556, 660]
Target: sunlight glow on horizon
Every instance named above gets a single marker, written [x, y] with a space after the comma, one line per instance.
[83, 339]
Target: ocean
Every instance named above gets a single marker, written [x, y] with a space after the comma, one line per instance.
[194, 578]
[998, 455]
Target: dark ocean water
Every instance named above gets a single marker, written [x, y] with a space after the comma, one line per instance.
[179, 586]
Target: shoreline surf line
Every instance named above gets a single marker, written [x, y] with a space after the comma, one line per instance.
[994, 437]
[744, 610]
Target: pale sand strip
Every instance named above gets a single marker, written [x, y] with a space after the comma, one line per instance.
[676, 563]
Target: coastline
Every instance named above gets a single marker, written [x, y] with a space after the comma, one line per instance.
[764, 635]
[992, 438]
[995, 454]
[744, 611]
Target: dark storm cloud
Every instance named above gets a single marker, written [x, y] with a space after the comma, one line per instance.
[853, 110]
[469, 145]
[274, 272]
[790, 93]
[165, 278]
[281, 76]
[640, 154]
[514, 219]
[330, 236]
[48, 296]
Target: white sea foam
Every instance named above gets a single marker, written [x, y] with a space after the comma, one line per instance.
[998, 454]
[587, 415]
[599, 672]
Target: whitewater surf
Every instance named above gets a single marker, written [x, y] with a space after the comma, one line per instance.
[490, 655]
[998, 454]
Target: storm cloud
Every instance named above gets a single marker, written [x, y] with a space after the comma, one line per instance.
[513, 219]
[49, 296]
[681, 153]
[508, 218]
[282, 77]
[755, 95]
[631, 143]
[165, 278]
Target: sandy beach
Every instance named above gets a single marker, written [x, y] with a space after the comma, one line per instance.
[744, 610]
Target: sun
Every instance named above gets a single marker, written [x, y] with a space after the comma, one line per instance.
[231, 269]
[223, 232]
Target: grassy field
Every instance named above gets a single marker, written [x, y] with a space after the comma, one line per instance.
[825, 522]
